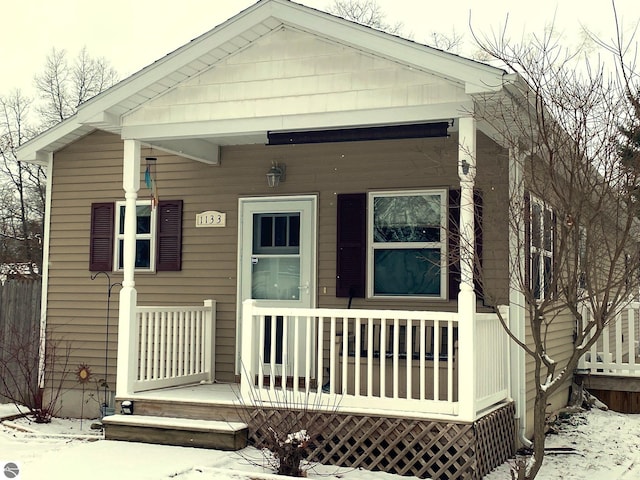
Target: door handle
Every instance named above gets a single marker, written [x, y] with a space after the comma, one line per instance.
[304, 287]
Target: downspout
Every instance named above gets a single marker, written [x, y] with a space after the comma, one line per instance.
[516, 296]
[45, 273]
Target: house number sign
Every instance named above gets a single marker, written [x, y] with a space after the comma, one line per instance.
[211, 218]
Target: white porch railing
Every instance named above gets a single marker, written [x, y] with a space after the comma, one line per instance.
[492, 360]
[363, 360]
[175, 345]
[616, 352]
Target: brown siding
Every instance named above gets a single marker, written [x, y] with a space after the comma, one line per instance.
[90, 170]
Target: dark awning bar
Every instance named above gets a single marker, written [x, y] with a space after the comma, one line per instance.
[391, 132]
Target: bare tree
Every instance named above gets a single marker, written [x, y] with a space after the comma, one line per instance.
[62, 86]
[23, 193]
[365, 12]
[451, 43]
[21, 378]
[572, 211]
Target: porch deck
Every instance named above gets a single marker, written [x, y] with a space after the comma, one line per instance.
[411, 392]
[399, 444]
[611, 368]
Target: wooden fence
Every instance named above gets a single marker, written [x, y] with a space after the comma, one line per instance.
[19, 327]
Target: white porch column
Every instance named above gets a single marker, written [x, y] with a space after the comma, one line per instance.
[467, 375]
[126, 367]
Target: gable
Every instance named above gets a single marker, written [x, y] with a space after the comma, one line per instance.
[290, 72]
[227, 86]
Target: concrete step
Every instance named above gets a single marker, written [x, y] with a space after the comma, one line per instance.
[215, 434]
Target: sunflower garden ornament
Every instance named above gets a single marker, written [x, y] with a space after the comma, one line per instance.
[83, 373]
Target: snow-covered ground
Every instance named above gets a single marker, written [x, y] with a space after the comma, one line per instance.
[595, 445]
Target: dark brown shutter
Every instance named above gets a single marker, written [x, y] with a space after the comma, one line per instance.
[527, 241]
[101, 237]
[554, 255]
[454, 242]
[169, 241]
[477, 269]
[351, 245]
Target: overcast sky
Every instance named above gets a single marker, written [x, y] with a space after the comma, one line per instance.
[133, 33]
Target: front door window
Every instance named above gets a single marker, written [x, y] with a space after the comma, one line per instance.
[275, 260]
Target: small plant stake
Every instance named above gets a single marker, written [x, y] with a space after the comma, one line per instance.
[83, 376]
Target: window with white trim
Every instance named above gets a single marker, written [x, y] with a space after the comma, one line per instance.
[145, 236]
[407, 244]
[541, 248]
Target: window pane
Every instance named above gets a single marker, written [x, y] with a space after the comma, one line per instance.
[547, 229]
[414, 218]
[536, 220]
[281, 231]
[276, 278]
[121, 225]
[276, 233]
[266, 231]
[411, 271]
[294, 230]
[535, 275]
[547, 276]
[143, 219]
[143, 254]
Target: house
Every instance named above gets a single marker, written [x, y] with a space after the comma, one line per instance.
[272, 208]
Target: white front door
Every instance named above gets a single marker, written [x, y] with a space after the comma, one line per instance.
[277, 262]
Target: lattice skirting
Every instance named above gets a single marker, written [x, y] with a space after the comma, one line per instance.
[404, 446]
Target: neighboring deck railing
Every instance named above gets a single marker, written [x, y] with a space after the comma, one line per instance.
[363, 360]
[616, 352]
[175, 345]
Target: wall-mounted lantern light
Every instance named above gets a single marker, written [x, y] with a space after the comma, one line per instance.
[465, 166]
[276, 174]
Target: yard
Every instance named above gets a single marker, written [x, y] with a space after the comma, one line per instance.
[592, 445]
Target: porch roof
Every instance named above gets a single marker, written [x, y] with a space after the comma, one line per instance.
[106, 110]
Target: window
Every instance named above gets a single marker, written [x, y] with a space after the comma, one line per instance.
[275, 257]
[145, 233]
[541, 248]
[158, 236]
[407, 238]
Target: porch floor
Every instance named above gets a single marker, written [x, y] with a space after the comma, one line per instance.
[214, 393]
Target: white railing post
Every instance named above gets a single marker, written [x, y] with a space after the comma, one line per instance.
[247, 360]
[210, 338]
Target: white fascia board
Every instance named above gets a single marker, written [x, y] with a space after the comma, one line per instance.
[34, 149]
[259, 126]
